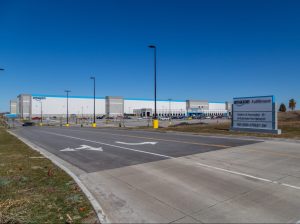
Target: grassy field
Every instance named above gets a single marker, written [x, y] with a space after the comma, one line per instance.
[288, 122]
[34, 190]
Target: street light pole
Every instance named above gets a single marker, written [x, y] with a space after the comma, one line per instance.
[94, 123]
[155, 120]
[67, 91]
[170, 115]
[41, 113]
[170, 107]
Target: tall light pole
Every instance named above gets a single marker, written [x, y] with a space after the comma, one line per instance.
[170, 107]
[67, 91]
[170, 116]
[94, 123]
[155, 120]
[41, 124]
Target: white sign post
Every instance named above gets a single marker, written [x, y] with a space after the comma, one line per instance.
[255, 114]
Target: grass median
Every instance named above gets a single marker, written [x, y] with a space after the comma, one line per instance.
[34, 190]
[288, 122]
[289, 129]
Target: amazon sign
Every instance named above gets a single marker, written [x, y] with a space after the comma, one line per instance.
[254, 114]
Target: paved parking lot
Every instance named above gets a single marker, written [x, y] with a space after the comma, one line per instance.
[140, 176]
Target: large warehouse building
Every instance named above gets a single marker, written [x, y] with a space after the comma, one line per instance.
[32, 105]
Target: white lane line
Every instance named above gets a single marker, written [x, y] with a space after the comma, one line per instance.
[197, 163]
[67, 150]
[136, 143]
[247, 175]
[116, 146]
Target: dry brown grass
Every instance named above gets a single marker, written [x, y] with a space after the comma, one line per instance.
[289, 116]
[289, 123]
[34, 190]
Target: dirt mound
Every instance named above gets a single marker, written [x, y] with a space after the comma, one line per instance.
[187, 124]
[289, 116]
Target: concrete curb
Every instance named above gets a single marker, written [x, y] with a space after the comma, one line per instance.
[97, 207]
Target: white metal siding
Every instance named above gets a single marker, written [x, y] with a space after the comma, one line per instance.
[130, 105]
[58, 106]
[217, 106]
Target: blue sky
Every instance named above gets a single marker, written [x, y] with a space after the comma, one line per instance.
[213, 50]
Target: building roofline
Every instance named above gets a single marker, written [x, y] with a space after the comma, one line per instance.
[100, 97]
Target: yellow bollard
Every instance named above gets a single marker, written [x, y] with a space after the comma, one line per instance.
[155, 123]
[94, 125]
[67, 125]
[41, 124]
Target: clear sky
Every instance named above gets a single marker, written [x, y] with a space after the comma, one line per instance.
[212, 50]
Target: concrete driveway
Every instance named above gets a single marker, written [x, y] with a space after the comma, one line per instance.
[140, 176]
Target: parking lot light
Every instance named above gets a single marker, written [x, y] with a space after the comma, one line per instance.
[94, 122]
[155, 120]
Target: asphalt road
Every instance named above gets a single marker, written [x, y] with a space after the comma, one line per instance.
[118, 146]
[140, 176]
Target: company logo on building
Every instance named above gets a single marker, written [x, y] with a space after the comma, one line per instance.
[261, 101]
[256, 101]
[39, 98]
[241, 102]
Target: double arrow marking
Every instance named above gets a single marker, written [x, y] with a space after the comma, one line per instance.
[83, 147]
[87, 147]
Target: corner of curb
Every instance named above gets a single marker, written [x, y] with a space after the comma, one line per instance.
[97, 207]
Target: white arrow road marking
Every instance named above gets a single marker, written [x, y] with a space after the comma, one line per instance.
[83, 147]
[86, 147]
[137, 143]
[68, 150]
